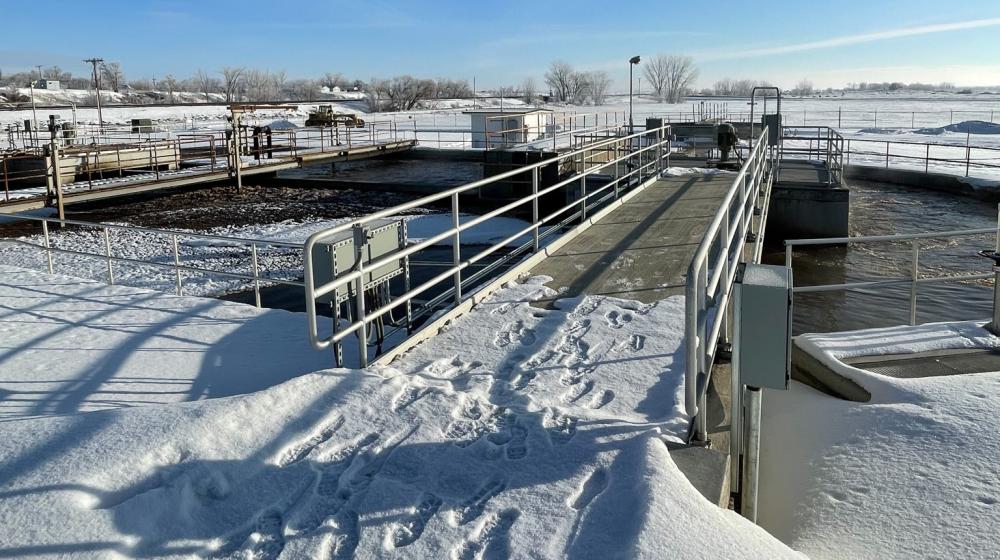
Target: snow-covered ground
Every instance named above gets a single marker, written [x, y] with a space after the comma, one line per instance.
[517, 432]
[234, 256]
[70, 345]
[910, 474]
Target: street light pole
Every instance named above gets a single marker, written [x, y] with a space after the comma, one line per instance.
[631, 62]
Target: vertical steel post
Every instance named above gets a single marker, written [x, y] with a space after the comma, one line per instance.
[177, 264]
[914, 274]
[48, 243]
[256, 275]
[968, 153]
[456, 251]
[359, 295]
[534, 206]
[107, 252]
[927, 157]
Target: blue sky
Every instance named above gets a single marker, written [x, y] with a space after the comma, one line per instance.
[501, 42]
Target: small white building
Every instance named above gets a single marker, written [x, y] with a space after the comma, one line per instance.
[52, 85]
[495, 128]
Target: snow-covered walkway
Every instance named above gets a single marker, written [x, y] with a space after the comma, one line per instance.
[517, 432]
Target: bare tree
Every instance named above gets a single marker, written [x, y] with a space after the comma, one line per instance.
[302, 90]
[112, 75]
[804, 87]
[507, 91]
[529, 89]
[170, 84]
[205, 83]
[679, 73]
[598, 83]
[452, 89]
[655, 70]
[232, 81]
[331, 80]
[56, 73]
[560, 77]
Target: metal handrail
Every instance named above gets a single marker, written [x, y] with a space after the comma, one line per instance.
[707, 288]
[913, 279]
[175, 264]
[650, 158]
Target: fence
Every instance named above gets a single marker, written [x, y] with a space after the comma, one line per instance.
[180, 264]
[821, 143]
[627, 163]
[913, 279]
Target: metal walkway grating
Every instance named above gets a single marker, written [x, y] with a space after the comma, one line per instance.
[970, 361]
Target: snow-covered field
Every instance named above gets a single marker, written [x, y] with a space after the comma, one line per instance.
[517, 432]
[274, 261]
[910, 474]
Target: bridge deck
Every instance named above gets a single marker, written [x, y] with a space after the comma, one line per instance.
[642, 249]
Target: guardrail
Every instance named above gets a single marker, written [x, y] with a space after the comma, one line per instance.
[628, 162]
[713, 270]
[822, 143]
[175, 262]
[965, 159]
[913, 279]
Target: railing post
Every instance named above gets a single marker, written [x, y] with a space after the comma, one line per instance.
[48, 243]
[534, 206]
[927, 157]
[968, 154]
[107, 252]
[456, 251]
[914, 274]
[887, 155]
[177, 264]
[256, 275]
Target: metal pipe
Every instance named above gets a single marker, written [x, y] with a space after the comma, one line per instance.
[751, 467]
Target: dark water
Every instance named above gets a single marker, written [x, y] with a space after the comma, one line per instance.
[394, 171]
[882, 209]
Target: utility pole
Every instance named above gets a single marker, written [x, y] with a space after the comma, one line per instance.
[97, 84]
[39, 67]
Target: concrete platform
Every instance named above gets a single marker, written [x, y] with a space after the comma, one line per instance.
[642, 250]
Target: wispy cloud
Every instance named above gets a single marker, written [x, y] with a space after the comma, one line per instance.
[853, 39]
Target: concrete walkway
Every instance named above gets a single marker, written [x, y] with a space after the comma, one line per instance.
[642, 250]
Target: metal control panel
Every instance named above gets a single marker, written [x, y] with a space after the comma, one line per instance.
[763, 325]
[338, 256]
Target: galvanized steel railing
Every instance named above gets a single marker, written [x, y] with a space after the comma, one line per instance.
[713, 270]
[913, 279]
[633, 159]
[172, 242]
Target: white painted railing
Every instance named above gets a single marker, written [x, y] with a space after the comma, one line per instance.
[630, 160]
[713, 270]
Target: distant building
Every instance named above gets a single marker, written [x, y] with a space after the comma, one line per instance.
[47, 84]
[495, 128]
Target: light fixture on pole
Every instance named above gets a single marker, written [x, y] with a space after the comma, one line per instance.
[631, 62]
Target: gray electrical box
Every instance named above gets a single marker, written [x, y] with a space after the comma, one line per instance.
[337, 256]
[773, 124]
[763, 325]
